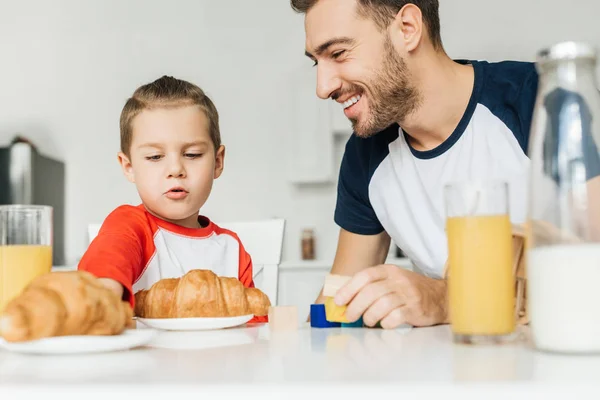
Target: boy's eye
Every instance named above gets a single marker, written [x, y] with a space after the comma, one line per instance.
[193, 155]
[153, 158]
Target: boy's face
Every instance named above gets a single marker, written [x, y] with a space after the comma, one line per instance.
[173, 162]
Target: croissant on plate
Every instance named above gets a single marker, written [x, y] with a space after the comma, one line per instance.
[200, 293]
[64, 304]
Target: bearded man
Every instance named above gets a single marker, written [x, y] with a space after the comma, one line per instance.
[421, 120]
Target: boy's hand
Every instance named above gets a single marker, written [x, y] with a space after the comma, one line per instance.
[394, 296]
[112, 285]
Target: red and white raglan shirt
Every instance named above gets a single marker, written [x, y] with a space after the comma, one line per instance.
[137, 249]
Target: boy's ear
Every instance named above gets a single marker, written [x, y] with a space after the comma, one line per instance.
[126, 167]
[219, 161]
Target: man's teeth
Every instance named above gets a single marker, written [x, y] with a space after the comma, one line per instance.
[351, 101]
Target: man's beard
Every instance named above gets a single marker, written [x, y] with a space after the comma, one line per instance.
[392, 96]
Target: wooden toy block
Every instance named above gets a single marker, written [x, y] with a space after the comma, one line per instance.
[333, 283]
[318, 318]
[283, 318]
[356, 324]
[333, 312]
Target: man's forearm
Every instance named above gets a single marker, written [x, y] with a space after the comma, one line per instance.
[441, 296]
[357, 252]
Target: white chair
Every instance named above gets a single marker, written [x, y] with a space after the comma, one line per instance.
[93, 232]
[262, 239]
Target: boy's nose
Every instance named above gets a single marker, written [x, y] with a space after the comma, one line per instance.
[177, 175]
[176, 170]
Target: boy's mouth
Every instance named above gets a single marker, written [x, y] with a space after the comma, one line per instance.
[176, 193]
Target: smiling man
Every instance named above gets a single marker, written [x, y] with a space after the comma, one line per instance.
[420, 120]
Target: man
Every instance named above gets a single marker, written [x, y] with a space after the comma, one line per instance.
[421, 120]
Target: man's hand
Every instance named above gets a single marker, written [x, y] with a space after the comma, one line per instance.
[394, 296]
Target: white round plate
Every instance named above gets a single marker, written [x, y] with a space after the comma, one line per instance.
[194, 324]
[82, 344]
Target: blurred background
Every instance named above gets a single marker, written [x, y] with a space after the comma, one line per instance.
[67, 67]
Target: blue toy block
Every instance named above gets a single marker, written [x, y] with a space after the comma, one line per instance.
[318, 319]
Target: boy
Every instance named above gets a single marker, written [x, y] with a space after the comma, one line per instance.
[171, 150]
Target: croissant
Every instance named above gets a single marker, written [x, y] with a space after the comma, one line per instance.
[64, 303]
[200, 293]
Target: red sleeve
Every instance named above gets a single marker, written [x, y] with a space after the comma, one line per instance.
[246, 276]
[120, 250]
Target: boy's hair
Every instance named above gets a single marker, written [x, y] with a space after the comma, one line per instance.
[383, 11]
[167, 92]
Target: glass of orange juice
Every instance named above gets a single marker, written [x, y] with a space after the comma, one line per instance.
[25, 247]
[481, 285]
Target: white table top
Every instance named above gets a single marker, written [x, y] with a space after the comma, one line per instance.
[423, 359]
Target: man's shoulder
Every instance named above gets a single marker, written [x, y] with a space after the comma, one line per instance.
[508, 69]
[508, 91]
[508, 81]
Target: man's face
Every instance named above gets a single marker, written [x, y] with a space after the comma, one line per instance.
[358, 66]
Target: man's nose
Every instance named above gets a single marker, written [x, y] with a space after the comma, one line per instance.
[327, 81]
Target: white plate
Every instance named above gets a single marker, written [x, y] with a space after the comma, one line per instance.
[194, 324]
[82, 344]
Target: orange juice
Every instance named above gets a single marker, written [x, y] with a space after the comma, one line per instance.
[19, 265]
[481, 286]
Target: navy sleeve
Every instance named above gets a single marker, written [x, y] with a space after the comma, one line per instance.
[353, 211]
[525, 105]
[510, 91]
[559, 104]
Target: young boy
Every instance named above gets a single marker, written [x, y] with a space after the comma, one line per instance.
[171, 150]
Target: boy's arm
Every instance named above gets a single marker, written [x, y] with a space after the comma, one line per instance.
[116, 255]
[113, 285]
[246, 276]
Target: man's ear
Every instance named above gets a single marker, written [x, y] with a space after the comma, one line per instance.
[219, 161]
[408, 27]
[126, 167]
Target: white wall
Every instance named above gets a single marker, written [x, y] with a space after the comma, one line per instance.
[67, 67]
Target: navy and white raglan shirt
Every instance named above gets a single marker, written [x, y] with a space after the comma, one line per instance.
[385, 184]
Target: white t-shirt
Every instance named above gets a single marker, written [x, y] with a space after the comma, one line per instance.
[385, 184]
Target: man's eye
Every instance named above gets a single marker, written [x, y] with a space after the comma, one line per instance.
[337, 54]
[153, 158]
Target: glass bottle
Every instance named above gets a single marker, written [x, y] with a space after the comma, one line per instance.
[563, 239]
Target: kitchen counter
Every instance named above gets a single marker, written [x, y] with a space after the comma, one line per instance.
[411, 360]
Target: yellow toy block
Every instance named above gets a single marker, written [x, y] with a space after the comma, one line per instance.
[333, 312]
